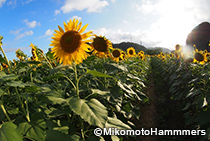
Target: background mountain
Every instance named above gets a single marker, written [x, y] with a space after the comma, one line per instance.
[125, 45]
[138, 47]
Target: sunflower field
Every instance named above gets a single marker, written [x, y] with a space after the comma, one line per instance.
[83, 83]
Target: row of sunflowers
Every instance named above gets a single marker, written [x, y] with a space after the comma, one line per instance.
[72, 45]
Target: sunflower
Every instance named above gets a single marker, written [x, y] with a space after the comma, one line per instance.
[34, 53]
[116, 55]
[71, 45]
[142, 52]
[163, 58]
[101, 46]
[141, 55]
[177, 54]
[20, 55]
[200, 57]
[208, 57]
[170, 55]
[131, 52]
[178, 47]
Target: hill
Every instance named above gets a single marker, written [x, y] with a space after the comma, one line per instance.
[137, 47]
[125, 45]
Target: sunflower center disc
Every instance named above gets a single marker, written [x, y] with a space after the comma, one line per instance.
[70, 41]
[131, 52]
[100, 44]
[116, 53]
[199, 57]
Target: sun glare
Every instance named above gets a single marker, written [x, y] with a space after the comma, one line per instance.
[175, 23]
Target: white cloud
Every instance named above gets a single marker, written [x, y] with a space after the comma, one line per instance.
[90, 5]
[12, 3]
[26, 33]
[147, 7]
[49, 32]
[57, 12]
[172, 20]
[32, 24]
[15, 49]
[113, 1]
[16, 32]
[118, 35]
[2, 2]
[76, 17]
[26, 1]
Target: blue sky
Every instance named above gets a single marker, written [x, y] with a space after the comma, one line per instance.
[152, 23]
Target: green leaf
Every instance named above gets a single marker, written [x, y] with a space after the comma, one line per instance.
[5, 77]
[91, 111]
[193, 92]
[100, 92]
[16, 84]
[115, 138]
[63, 129]
[55, 97]
[9, 132]
[114, 66]
[33, 132]
[97, 74]
[116, 123]
[55, 135]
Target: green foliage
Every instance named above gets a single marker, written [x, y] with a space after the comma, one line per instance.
[185, 89]
[69, 102]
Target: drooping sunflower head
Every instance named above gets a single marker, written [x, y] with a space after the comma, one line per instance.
[141, 55]
[178, 47]
[71, 45]
[34, 52]
[142, 52]
[131, 52]
[123, 55]
[101, 46]
[20, 55]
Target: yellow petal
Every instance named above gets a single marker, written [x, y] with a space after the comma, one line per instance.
[83, 28]
[65, 27]
[61, 30]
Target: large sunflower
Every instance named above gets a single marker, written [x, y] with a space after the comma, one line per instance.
[71, 45]
[131, 52]
[101, 46]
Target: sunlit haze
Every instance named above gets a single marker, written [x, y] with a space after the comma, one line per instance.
[152, 23]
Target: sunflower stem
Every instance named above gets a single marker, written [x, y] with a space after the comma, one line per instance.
[5, 112]
[77, 80]
[49, 64]
[71, 82]
[21, 104]
[4, 53]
